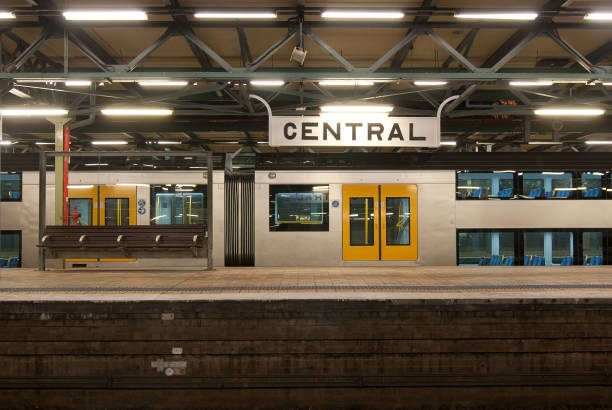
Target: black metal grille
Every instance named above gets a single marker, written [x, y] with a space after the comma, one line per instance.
[239, 220]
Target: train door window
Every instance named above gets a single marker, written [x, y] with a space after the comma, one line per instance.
[10, 186]
[379, 222]
[80, 211]
[178, 204]
[548, 248]
[116, 211]
[486, 248]
[592, 248]
[10, 249]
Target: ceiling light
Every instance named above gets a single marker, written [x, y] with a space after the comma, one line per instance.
[235, 15]
[109, 142]
[267, 83]
[598, 142]
[608, 84]
[544, 143]
[357, 108]
[553, 173]
[96, 164]
[128, 184]
[197, 167]
[342, 83]
[19, 93]
[45, 143]
[162, 83]
[418, 82]
[531, 83]
[109, 15]
[497, 16]
[6, 142]
[448, 142]
[599, 16]
[77, 83]
[169, 142]
[569, 111]
[28, 112]
[79, 186]
[7, 15]
[362, 14]
[136, 111]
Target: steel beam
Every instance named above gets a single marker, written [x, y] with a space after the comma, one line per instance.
[269, 52]
[464, 47]
[580, 59]
[245, 52]
[452, 51]
[85, 46]
[348, 66]
[190, 36]
[150, 49]
[29, 51]
[408, 38]
[21, 43]
[514, 51]
[401, 55]
[185, 26]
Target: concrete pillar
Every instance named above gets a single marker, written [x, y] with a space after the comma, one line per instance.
[59, 176]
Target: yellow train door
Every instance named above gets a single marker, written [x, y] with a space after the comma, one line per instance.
[379, 222]
[117, 208]
[360, 216]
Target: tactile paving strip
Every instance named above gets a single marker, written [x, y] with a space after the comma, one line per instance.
[407, 288]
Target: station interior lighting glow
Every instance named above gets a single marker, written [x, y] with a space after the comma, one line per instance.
[163, 83]
[137, 111]
[583, 112]
[105, 15]
[96, 164]
[598, 142]
[109, 142]
[77, 83]
[346, 83]
[33, 111]
[267, 83]
[497, 16]
[6, 142]
[601, 16]
[235, 15]
[169, 142]
[362, 14]
[45, 143]
[544, 143]
[448, 143]
[425, 82]
[531, 83]
[4, 15]
[79, 186]
[374, 109]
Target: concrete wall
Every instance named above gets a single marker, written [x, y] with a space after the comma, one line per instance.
[23, 215]
[436, 219]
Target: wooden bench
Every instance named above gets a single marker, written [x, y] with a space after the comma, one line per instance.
[146, 241]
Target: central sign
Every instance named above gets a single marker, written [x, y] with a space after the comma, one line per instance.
[326, 131]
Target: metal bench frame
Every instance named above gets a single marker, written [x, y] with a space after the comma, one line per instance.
[148, 248]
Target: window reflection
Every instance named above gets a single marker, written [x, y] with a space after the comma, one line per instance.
[10, 186]
[486, 248]
[484, 185]
[178, 204]
[299, 208]
[398, 221]
[10, 249]
[361, 221]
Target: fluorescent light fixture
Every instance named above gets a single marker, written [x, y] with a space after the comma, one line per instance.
[197, 167]
[169, 142]
[7, 15]
[109, 142]
[356, 108]
[362, 14]
[129, 184]
[96, 164]
[607, 84]
[79, 186]
[569, 111]
[105, 15]
[185, 185]
[6, 142]
[20, 94]
[425, 82]
[544, 143]
[504, 172]
[448, 142]
[267, 83]
[468, 187]
[30, 112]
[183, 190]
[45, 143]
[235, 15]
[531, 83]
[602, 16]
[136, 111]
[77, 83]
[497, 16]
[163, 83]
[346, 83]
[553, 173]
[598, 142]
[262, 142]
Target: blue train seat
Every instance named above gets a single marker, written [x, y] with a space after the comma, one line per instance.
[13, 262]
[548, 194]
[537, 261]
[508, 261]
[506, 193]
[3, 262]
[527, 260]
[496, 260]
[562, 194]
[592, 193]
[475, 193]
[566, 261]
[483, 261]
[535, 193]
[596, 260]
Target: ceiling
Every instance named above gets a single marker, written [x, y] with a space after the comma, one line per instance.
[477, 58]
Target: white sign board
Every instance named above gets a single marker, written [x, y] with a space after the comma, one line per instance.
[330, 132]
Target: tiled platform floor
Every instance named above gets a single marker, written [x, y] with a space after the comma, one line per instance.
[432, 282]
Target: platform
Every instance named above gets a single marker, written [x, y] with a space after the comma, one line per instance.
[271, 283]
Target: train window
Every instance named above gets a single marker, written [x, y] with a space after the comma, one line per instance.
[116, 211]
[486, 248]
[10, 186]
[80, 211]
[548, 248]
[592, 248]
[547, 185]
[361, 221]
[299, 207]
[178, 204]
[10, 249]
[484, 185]
[591, 185]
